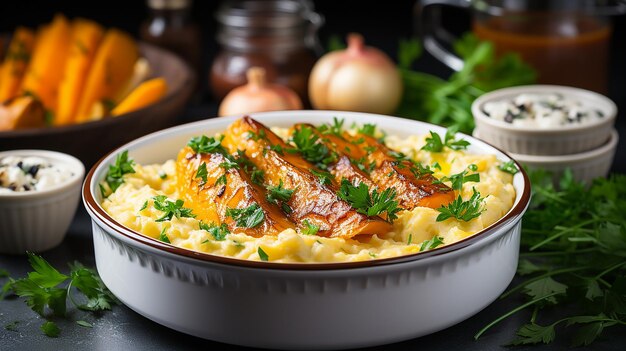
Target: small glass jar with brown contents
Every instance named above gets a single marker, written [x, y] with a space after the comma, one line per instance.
[277, 35]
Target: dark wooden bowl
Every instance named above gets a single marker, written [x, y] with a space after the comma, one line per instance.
[91, 140]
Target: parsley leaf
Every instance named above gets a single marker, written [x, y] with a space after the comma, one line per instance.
[373, 204]
[50, 329]
[533, 334]
[309, 228]
[368, 129]
[459, 179]
[171, 209]
[204, 145]
[435, 144]
[115, 175]
[218, 232]
[336, 128]
[279, 196]
[462, 210]
[248, 217]
[508, 167]
[202, 173]
[324, 177]
[84, 324]
[431, 243]
[262, 255]
[311, 148]
[163, 236]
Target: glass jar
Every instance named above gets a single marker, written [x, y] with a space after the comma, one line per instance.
[169, 26]
[277, 35]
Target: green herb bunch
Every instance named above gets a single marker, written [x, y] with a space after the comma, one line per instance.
[573, 259]
[448, 102]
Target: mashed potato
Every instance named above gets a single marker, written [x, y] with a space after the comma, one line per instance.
[131, 205]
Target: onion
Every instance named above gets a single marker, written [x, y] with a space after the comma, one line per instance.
[359, 78]
[258, 96]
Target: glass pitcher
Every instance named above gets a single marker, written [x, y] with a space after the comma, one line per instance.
[566, 41]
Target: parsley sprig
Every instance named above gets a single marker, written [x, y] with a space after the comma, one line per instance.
[248, 217]
[462, 210]
[457, 180]
[218, 232]
[572, 260]
[46, 291]
[370, 204]
[435, 144]
[309, 228]
[336, 128]
[171, 208]
[278, 195]
[311, 148]
[115, 175]
[431, 243]
[205, 145]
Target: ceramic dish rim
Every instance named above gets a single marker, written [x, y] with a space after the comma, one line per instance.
[95, 210]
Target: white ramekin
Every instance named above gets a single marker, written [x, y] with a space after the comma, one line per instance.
[560, 140]
[301, 306]
[38, 220]
[585, 166]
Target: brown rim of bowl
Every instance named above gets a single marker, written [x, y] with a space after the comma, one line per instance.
[95, 209]
[171, 94]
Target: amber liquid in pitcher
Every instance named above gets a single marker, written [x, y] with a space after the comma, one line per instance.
[565, 49]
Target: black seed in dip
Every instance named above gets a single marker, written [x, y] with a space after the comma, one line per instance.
[600, 113]
[33, 170]
[12, 187]
[508, 117]
[486, 113]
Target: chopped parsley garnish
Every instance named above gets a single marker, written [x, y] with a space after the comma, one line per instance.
[373, 204]
[436, 165]
[115, 175]
[229, 164]
[163, 236]
[221, 180]
[277, 148]
[257, 136]
[278, 195]
[171, 209]
[508, 167]
[462, 210]
[311, 148]
[336, 128]
[435, 144]
[45, 288]
[202, 173]
[410, 240]
[459, 179]
[204, 145]
[144, 206]
[50, 329]
[309, 228]
[257, 176]
[262, 255]
[363, 165]
[431, 243]
[324, 177]
[368, 129]
[218, 232]
[248, 217]
[162, 175]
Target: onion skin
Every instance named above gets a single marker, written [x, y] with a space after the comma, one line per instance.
[360, 78]
[258, 96]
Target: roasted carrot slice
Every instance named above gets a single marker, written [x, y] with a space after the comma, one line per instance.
[145, 94]
[15, 63]
[86, 37]
[45, 70]
[215, 194]
[311, 201]
[413, 186]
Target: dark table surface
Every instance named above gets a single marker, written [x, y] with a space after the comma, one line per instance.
[123, 329]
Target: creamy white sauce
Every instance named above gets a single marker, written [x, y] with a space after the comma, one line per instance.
[542, 111]
[20, 174]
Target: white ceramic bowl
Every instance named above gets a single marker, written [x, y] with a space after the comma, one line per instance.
[585, 166]
[301, 306]
[38, 220]
[562, 140]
